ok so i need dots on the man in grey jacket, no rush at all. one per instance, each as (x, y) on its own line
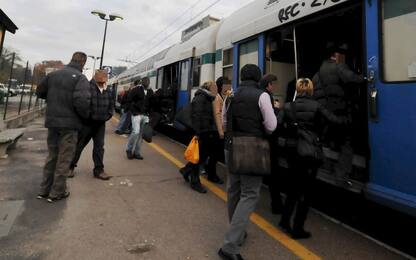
(68, 100)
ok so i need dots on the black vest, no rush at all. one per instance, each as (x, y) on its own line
(247, 119)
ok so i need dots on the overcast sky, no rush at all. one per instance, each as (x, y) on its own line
(54, 29)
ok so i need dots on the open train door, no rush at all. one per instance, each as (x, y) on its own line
(391, 68)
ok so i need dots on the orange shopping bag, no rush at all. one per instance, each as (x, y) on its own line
(192, 151)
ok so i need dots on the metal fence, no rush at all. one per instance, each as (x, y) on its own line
(17, 88)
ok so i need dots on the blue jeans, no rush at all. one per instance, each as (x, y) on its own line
(135, 140)
(122, 122)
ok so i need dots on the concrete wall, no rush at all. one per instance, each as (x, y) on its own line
(18, 121)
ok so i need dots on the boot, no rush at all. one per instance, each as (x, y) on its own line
(196, 182)
(185, 171)
(300, 233)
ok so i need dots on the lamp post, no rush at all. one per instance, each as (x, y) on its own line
(95, 59)
(103, 16)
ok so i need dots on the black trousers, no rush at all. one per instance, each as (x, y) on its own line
(209, 143)
(274, 180)
(302, 175)
(96, 132)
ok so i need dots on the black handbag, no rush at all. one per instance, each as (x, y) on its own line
(147, 133)
(308, 144)
(249, 155)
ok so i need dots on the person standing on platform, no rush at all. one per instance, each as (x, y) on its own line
(251, 115)
(203, 123)
(68, 97)
(269, 83)
(137, 99)
(102, 109)
(124, 125)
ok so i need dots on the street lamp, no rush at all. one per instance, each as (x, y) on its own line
(95, 59)
(103, 16)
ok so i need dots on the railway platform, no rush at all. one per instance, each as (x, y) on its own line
(146, 211)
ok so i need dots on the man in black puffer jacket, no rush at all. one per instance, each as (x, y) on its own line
(67, 94)
(102, 107)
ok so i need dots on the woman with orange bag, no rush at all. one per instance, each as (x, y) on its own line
(203, 123)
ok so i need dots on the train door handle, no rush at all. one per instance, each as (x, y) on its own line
(373, 104)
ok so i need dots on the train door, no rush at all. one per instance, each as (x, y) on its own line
(346, 148)
(280, 61)
(391, 65)
(184, 84)
(167, 93)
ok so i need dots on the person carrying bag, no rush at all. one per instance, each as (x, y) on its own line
(250, 117)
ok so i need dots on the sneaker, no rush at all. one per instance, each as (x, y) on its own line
(118, 132)
(42, 196)
(61, 197)
(138, 157)
(102, 176)
(129, 155)
(227, 256)
(71, 173)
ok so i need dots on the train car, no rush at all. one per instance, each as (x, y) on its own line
(185, 67)
(289, 39)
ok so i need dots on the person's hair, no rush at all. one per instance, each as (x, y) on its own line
(79, 57)
(304, 86)
(266, 80)
(210, 86)
(250, 72)
(145, 81)
(101, 76)
(219, 82)
(136, 82)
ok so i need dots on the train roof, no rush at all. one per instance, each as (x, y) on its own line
(203, 42)
(143, 67)
(263, 15)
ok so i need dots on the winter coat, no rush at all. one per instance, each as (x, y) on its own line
(139, 101)
(331, 78)
(102, 104)
(67, 94)
(218, 104)
(308, 114)
(202, 112)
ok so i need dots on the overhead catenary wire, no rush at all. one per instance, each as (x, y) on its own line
(178, 18)
(179, 28)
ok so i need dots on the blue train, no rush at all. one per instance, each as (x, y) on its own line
(288, 38)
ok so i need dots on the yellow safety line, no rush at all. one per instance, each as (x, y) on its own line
(294, 246)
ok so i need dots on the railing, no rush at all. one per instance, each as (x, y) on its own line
(17, 88)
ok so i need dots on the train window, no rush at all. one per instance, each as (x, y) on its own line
(185, 68)
(159, 78)
(196, 72)
(227, 65)
(249, 53)
(227, 57)
(399, 37)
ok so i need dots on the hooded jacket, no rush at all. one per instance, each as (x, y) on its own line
(202, 112)
(67, 94)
